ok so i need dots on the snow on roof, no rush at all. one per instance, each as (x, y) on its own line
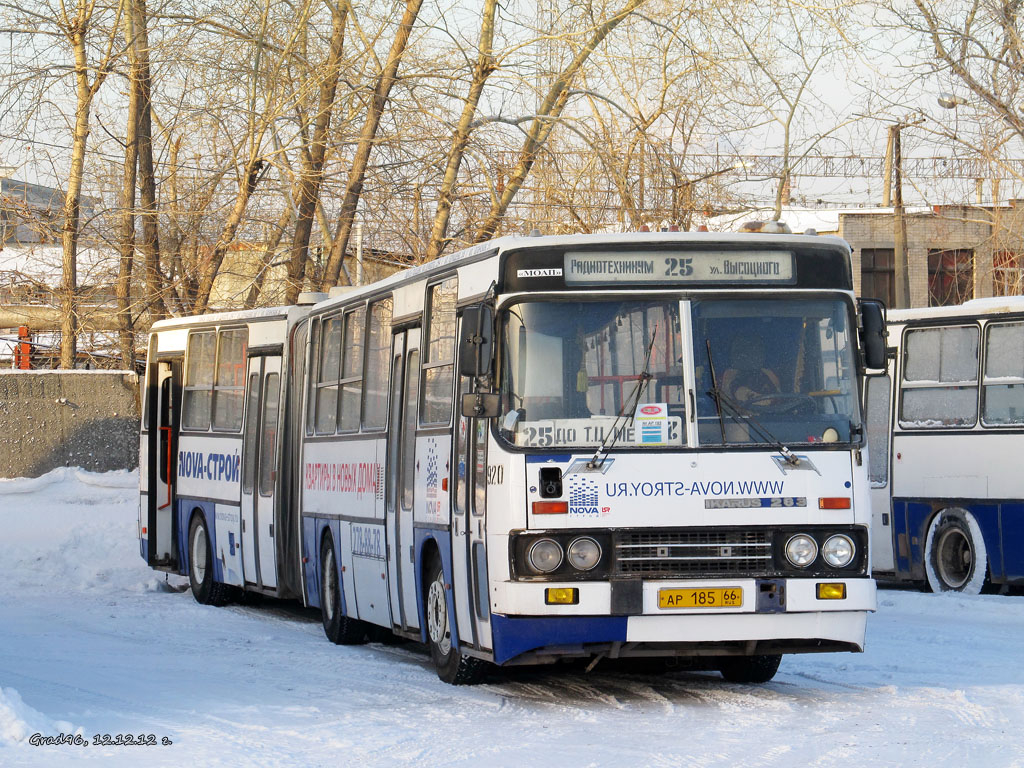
(988, 306)
(821, 220)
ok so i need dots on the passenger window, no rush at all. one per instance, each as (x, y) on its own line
(1003, 392)
(351, 383)
(229, 388)
(198, 394)
(378, 353)
(940, 378)
(439, 354)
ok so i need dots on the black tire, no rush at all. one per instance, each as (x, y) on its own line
(749, 669)
(452, 667)
(200, 567)
(340, 630)
(955, 557)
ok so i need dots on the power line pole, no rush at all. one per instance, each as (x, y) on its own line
(900, 256)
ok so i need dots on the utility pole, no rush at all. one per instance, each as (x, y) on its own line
(900, 255)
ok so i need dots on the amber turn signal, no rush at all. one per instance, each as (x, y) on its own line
(834, 502)
(550, 507)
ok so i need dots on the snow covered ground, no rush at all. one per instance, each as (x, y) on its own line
(93, 642)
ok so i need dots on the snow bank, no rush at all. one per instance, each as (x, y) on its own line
(73, 530)
(18, 721)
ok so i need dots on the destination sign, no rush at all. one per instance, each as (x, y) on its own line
(747, 266)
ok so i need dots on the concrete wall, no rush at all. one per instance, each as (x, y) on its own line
(50, 419)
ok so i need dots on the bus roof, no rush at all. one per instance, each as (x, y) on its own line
(989, 306)
(516, 242)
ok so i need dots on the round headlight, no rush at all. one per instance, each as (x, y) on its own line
(838, 551)
(584, 553)
(801, 550)
(545, 555)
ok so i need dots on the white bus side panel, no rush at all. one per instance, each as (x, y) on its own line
(345, 479)
(209, 467)
(229, 543)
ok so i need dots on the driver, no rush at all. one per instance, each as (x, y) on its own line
(748, 379)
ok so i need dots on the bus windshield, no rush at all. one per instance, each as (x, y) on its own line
(576, 373)
(783, 371)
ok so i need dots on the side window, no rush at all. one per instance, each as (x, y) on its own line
(877, 413)
(939, 387)
(229, 388)
(198, 394)
(328, 370)
(352, 371)
(1003, 392)
(378, 354)
(439, 353)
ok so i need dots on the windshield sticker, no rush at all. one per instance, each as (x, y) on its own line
(593, 432)
(651, 424)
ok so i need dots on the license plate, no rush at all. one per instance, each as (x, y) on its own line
(718, 597)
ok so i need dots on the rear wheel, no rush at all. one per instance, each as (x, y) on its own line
(955, 557)
(452, 666)
(339, 629)
(749, 669)
(200, 566)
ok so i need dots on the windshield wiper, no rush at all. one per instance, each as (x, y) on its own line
(737, 413)
(631, 403)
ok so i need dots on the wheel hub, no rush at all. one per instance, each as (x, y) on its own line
(954, 558)
(437, 616)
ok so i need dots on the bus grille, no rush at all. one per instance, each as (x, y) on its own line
(674, 554)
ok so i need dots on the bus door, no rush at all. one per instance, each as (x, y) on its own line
(469, 561)
(162, 549)
(877, 415)
(401, 478)
(259, 470)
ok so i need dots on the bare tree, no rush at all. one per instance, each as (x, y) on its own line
(357, 172)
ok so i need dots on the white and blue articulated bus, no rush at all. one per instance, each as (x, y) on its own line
(536, 449)
(946, 430)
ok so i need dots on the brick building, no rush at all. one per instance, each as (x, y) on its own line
(956, 252)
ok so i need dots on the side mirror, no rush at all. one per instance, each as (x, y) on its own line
(481, 405)
(476, 341)
(873, 333)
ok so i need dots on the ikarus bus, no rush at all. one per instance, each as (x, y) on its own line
(536, 449)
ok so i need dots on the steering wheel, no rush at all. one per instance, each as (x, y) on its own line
(782, 402)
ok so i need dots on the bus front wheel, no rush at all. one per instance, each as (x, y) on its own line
(749, 669)
(340, 630)
(452, 667)
(200, 566)
(955, 558)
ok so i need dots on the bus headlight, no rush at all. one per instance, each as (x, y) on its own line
(838, 551)
(801, 550)
(584, 553)
(545, 555)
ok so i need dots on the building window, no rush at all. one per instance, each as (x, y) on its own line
(1007, 274)
(950, 277)
(878, 275)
